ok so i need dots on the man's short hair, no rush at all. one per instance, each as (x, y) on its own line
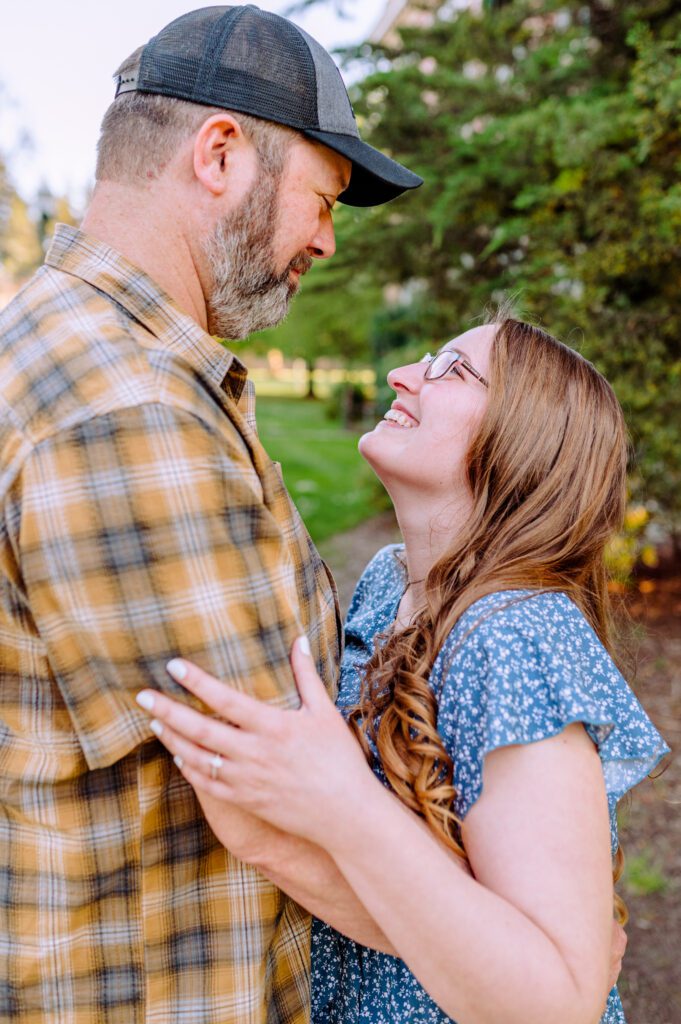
(141, 132)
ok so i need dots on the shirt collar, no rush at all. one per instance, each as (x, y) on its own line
(74, 252)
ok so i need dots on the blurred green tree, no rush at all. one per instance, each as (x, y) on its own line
(548, 135)
(25, 225)
(20, 247)
(329, 319)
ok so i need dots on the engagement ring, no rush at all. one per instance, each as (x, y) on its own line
(215, 763)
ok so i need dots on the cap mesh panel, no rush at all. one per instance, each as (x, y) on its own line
(247, 60)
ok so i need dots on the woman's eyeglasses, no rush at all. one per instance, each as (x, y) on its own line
(439, 366)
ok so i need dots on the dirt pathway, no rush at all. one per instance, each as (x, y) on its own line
(650, 821)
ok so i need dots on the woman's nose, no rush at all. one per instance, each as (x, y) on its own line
(406, 378)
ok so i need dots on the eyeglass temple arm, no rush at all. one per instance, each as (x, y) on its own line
(476, 374)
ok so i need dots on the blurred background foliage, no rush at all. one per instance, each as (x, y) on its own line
(548, 137)
(25, 226)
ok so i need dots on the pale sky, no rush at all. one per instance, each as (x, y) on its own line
(56, 62)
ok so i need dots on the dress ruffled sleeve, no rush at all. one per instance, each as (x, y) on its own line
(520, 669)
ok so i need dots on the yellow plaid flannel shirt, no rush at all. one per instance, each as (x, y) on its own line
(140, 519)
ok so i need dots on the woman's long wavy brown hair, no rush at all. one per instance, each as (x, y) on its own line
(547, 472)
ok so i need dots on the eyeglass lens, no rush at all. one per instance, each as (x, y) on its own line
(441, 363)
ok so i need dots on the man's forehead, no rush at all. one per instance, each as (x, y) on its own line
(334, 166)
(340, 167)
(344, 173)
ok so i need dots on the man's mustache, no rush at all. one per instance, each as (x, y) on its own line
(302, 263)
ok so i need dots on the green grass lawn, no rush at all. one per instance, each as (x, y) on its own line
(329, 481)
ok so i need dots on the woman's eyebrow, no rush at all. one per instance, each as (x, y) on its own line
(459, 351)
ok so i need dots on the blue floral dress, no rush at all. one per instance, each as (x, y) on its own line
(518, 667)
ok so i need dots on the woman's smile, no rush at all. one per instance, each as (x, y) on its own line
(440, 415)
(400, 419)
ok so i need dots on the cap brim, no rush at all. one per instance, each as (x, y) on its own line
(375, 177)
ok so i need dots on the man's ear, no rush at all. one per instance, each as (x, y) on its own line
(221, 151)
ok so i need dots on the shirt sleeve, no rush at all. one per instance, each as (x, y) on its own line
(143, 535)
(524, 673)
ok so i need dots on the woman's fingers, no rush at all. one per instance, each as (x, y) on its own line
(185, 753)
(310, 687)
(236, 707)
(198, 766)
(200, 729)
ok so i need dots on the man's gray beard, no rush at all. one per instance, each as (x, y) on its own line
(247, 294)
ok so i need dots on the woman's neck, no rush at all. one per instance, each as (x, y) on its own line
(427, 533)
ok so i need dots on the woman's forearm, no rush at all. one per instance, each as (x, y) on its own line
(310, 876)
(479, 957)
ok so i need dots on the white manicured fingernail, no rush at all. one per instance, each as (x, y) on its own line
(178, 761)
(304, 645)
(156, 727)
(177, 669)
(146, 699)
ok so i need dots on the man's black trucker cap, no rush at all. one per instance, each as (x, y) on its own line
(249, 60)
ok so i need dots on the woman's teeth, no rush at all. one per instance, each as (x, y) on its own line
(398, 417)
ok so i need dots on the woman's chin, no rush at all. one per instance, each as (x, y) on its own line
(375, 440)
(365, 445)
(369, 448)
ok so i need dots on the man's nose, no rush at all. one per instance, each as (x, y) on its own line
(323, 245)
